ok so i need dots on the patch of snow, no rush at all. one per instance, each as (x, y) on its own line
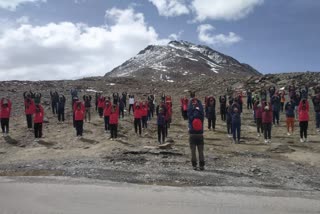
(214, 70)
(170, 81)
(112, 84)
(92, 90)
(193, 59)
(202, 74)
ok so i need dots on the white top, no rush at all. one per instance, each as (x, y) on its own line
(131, 100)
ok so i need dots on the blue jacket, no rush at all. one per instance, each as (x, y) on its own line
(193, 113)
(161, 119)
(275, 102)
(289, 107)
(236, 118)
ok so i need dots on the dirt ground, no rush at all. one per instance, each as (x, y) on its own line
(284, 164)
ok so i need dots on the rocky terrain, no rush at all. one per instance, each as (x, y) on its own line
(284, 164)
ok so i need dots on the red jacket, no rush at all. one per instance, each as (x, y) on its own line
(107, 109)
(184, 104)
(38, 114)
(144, 110)
(169, 111)
(114, 116)
(258, 111)
(5, 110)
(78, 114)
(29, 106)
(76, 104)
(303, 111)
(267, 116)
(101, 102)
(137, 111)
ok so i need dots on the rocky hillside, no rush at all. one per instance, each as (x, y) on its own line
(181, 60)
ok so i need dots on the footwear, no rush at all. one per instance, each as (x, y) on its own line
(195, 168)
(318, 130)
(269, 141)
(233, 141)
(229, 136)
(259, 134)
(288, 134)
(301, 140)
(201, 168)
(238, 141)
(265, 141)
(306, 140)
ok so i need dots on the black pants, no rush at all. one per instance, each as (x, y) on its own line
(114, 130)
(196, 142)
(229, 127)
(259, 125)
(303, 129)
(29, 120)
(79, 127)
(5, 125)
(212, 123)
(61, 114)
(38, 130)
(161, 133)
(185, 115)
(249, 104)
(54, 107)
(87, 116)
(223, 114)
(121, 112)
(137, 124)
(282, 106)
(144, 122)
(267, 130)
(100, 110)
(131, 107)
(106, 123)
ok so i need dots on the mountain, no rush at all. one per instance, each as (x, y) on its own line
(181, 59)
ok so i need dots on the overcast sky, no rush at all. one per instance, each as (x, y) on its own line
(69, 39)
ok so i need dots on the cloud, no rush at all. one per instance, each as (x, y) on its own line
(23, 20)
(219, 39)
(170, 8)
(175, 36)
(68, 51)
(223, 9)
(13, 4)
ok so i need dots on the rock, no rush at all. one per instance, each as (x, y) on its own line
(165, 146)
(280, 148)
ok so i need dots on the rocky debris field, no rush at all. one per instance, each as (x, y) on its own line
(284, 164)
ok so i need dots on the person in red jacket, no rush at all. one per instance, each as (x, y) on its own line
(184, 107)
(257, 108)
(38, 121)
(114, 119)
(303, 111)
(5, 110)
(29, 107)
(267, 117)
(137, 113)
(144, 114)
(101, 104)
(106, 114)
(79, 113)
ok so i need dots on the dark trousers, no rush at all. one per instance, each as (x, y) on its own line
(303, 129)
(38, 130)
(54, 107)
(144, 122)
(249, 104)
(131, 107)
(106, 123)
(87, 116)
(161, 133)
(276, 117)
(229, 127)
(61, 114)
(100, 111)
(5, 125)
(121, 112)
(267, 130)
(196, 142)
(259, 125)
(114, 130)
(236, 131)
(211, 123)
(223, 114)
(150, 114)
(79, 127)
(185, 115)
(282, 107)
(29, 120)
(137, 124)
(317, 120)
